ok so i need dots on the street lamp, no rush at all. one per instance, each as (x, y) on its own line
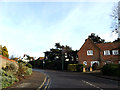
(43, 63)
(63, 59)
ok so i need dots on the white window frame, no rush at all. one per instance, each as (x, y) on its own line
(85, 62)
(89, 52)
(115, 52)
(92, 62)
(107, 52)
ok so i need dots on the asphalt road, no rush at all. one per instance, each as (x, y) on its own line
(68, 80)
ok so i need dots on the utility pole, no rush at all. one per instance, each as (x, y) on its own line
(63, 59)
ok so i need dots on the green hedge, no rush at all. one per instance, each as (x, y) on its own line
(75, 67)
(111, 69)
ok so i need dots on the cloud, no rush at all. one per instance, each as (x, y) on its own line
(109, 36)
(39, 29)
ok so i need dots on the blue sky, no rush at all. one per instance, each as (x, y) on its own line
(34, 27)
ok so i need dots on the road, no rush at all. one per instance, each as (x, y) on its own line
(70, 80)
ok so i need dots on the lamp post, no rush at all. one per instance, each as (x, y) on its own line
(43, 63)
(63, 59)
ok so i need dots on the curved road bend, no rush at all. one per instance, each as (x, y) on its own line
(60, 79)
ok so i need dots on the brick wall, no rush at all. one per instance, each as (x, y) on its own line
(4, 61)
(82, 54)
(98, 52)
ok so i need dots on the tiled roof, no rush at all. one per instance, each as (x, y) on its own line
(41, 58)
(7, 58)
(108, 46)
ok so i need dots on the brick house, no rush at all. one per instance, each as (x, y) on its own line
(100, 53)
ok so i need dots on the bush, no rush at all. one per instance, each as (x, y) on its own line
(22, 69)
(111, 69)
(75, 67)
(29, 65)
(28, 71)
(11, 67)
(7, 79)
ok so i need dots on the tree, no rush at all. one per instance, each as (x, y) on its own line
(96, 38)
(12, 57)
(117, 40)
(58, 46)
(5, 52)
(116, 17)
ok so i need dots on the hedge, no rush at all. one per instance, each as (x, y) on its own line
(75, 67)
(111, 69)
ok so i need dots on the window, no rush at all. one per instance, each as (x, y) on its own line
(89, 52)
(107, 52)
(109, 62)
(85, 62)
(115, 52)
(118, 62)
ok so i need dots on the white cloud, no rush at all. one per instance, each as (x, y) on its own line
(109, 36)
(33, 36)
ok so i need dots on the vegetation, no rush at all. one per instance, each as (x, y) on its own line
(4, 51)
(57, 58)
(111, 69)
(13, 73)
(75, 67)
(96, 38)
(117, 40)
(8, 78)
(116, 16)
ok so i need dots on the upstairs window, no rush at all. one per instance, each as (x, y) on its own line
(107, 52)
(89, 52)
(115, 52)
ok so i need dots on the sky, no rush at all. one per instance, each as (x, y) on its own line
(34, 27)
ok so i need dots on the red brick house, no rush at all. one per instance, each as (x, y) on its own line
(100, 53)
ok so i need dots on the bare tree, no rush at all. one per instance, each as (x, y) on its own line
(116, 17)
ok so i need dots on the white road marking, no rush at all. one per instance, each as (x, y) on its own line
(92, 85)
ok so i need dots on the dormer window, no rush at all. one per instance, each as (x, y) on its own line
(107, 52)
(115, 52)
(89, 52)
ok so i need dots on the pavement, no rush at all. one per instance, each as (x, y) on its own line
(33, 82)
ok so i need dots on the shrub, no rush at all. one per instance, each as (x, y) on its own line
(11, 67)
(22, 69)
(72, 67)
(111, 69)
(75, 67)
(29, 65)
(28, 71)
(7, 79)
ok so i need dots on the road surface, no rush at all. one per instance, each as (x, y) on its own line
(59, 79)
